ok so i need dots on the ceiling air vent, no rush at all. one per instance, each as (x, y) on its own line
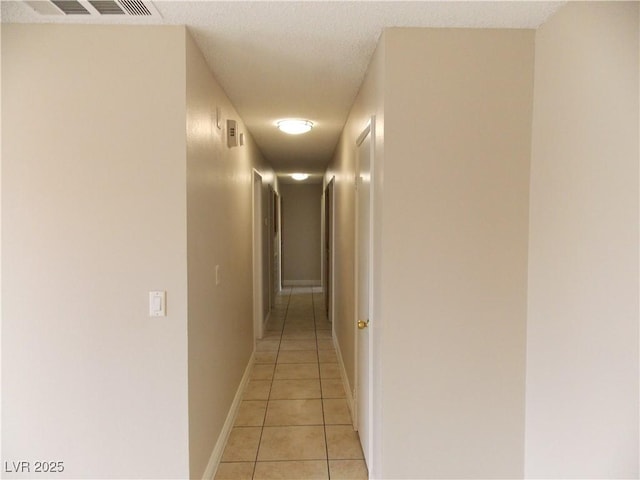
(106, 7)
(70, 7)
(95, 8)
(135, 7)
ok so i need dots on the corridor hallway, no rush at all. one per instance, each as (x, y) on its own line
(294, 422)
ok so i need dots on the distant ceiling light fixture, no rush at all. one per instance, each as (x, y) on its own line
(299, 176)
(295, 127)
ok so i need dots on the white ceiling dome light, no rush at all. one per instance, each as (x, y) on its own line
(294, 126)
(299, 176)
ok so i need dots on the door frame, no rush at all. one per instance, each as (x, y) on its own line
(372, 329)
(278, 240)
(256, 227)
(328, 248)
(274, 245)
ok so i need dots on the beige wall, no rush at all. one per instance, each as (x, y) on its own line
(219, 232)
(301, 233)
(453, 122)
(458, 267)
(93, 216)
(454, 252)
(582, 333)
(104, 199)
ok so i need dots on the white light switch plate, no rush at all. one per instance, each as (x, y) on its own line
(158, 304)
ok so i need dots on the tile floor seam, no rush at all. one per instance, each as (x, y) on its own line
(264, 418)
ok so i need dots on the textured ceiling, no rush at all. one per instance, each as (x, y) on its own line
(303, 59)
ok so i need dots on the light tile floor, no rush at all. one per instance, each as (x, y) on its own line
(294, 422)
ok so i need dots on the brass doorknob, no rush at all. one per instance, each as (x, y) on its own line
(362, 324)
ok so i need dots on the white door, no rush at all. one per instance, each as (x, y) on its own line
(363, 327)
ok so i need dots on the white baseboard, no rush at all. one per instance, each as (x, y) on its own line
(264, 325)
(302, 283)
(345, 381)
(218, 449)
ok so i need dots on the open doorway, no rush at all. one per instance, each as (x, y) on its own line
(274, 206)
(328, 249)
(258, 253)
